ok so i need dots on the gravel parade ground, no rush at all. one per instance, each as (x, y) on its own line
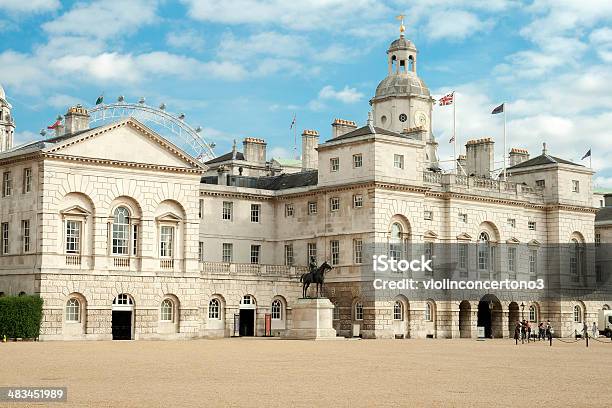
(351, 373)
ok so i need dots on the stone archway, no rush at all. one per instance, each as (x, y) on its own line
(465, 320)
(490, 316)
(513, 316)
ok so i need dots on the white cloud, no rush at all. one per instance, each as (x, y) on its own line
(455, 25)
(104, 19)
(29, 6)
(189, 39)
(63, 101)
(345, 95)
(25, 136)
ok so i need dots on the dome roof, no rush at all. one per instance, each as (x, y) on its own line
(400, 85)
(401, 44)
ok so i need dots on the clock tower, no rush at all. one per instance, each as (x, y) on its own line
(402, 99)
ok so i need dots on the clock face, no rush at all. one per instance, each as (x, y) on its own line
(420, 118)
(403, 117)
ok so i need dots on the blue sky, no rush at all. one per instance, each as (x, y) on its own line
(242, 68)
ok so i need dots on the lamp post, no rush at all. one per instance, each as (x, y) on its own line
(522, 311)
(491, 314)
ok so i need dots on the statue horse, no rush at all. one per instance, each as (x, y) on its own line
(316, 276)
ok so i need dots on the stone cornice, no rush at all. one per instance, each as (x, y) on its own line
(118, 163)
(22, 158)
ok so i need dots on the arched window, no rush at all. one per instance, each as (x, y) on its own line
(121, 231)
(533, 314)
(605, 307)
(395, 241)
(123, 299)
(483, 251)
(73, 310)
(22, 294)
(277, 308)
(167, 310)
(398, 311)
(577, 314)
(214, 308)
(428, 312)
(358, 311)
(247, 300)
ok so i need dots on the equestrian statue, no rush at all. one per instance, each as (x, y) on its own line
(316, 276)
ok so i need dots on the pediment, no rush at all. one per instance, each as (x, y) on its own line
(168, 217)
(534, 242)
(430, 235)
(127, 141)
(464, 237)
(75, 210)
(512, 240)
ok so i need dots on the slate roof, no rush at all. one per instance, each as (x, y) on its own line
(366, 130)
(542, 160)
(604, 214)
(289, 180)
(225, 157)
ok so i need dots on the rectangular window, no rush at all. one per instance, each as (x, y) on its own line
(358, 251)
(463, 217)
(533, 261)
(200, 208)
(166, 242)
(398, 161)
(288, 210)
(463, 256)
(228, 252)
(540, 183)
(5, 238)
(597, 239)
(25, 235)
(512, 222)
(134, 240)
(357, 201)
(334, 204)
(27, 180)
(7, 184)
(312, 207)
(289, 254)
(73, 237)
(598, 274)
(357, 160)
(255, 252)
(201, 251)
(575, 186)
(334, 164)
(428, 215)
(512, 260)
(335, 252)
(312, 252)
(255, 211)
(228, 209)
(531, 225)
(429, 254)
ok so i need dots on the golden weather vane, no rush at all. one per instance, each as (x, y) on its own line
(401, 19)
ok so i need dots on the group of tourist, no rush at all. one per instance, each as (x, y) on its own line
(522, 331)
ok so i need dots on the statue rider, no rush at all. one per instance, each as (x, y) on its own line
(312, 266)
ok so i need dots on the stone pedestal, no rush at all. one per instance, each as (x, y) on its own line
(312, 320)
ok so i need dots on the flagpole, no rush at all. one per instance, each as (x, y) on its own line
(505, 174)
(455, 133)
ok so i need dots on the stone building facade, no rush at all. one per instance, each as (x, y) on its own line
(157, 245)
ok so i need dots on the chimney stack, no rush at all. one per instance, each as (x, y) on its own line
(341, 127)
(518, 156)
(479, 157)
(77, 119)
(310, 155)
(254, 150)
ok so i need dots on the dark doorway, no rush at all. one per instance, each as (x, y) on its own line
(484, 318)
(122, 325)
(247, 322)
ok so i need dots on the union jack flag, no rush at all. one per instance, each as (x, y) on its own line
(447, 99)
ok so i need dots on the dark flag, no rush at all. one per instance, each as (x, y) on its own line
(499, 109)
(100, 99)
(587, 154)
